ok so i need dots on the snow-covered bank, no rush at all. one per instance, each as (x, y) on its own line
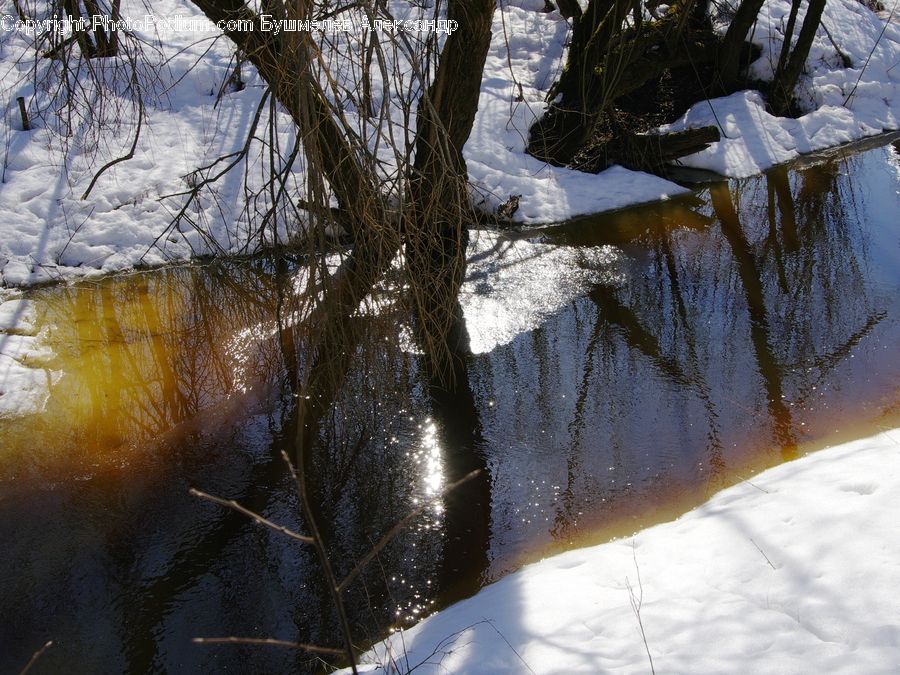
(48, 232)
(794, 571)
(842, 104)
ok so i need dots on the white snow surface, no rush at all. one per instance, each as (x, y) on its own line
(47, 232)
(841, 104)
(795, 571)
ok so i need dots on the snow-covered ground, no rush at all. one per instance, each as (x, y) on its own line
(794, 571)
(48, 232)
(842, 104)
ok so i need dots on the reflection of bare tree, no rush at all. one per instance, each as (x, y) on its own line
(769, 367)
(149, 354)
(467, 511)
(345, 383)
(719, 339)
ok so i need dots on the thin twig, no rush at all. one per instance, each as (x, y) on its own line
(36, 656)
(385, 540)
(233, 640)
(869, 57)
(309, 516)
(130, 153)
(508, 644)
(752, 484)
(636, 604)
(763, 554)
(231, 504)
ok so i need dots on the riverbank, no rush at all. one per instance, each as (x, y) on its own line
(47, 232)
(792, 571)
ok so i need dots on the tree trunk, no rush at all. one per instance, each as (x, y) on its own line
(782, 93)
(788, 37)
(650, 152)
(733, 43)
(436, 242)
(569, 9)
(566, 125)
(281, 65)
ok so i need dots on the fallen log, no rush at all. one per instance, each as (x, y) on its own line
(651, 152)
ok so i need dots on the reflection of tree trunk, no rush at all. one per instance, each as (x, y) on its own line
(565, 516)
(754, 295)
(772, 241)
(779, 180)
(467, 510)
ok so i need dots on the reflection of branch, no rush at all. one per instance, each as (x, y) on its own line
(336, 588)
(638, 336)
(828, 362)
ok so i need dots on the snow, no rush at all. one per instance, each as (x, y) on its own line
(47, 232)
(793, 571)
(527, 50)
(842, 104)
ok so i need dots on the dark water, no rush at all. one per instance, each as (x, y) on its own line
(629, 365)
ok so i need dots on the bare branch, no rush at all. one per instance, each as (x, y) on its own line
(232, 640)
(231, 504)
(38, 654)
(385, 540)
